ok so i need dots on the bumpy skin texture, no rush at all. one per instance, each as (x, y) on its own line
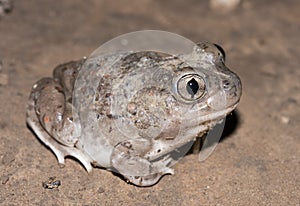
(135, 113)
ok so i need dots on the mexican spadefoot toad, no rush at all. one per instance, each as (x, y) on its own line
(132, 112)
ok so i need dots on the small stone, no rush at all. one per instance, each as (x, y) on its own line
(224, 6)
(101, 190)
(285, 120)
(51, 183)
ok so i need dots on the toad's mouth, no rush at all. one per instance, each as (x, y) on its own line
(211, 115)
(224, 112)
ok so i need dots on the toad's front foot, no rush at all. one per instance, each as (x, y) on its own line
(148, 180)
(136, 169)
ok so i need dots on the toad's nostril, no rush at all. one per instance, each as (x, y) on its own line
(227, 85)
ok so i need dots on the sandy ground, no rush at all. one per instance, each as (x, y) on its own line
(256, 163)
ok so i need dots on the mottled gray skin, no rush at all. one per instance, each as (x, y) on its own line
(133, 112)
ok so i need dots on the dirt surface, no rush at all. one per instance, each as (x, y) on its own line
(256, 163)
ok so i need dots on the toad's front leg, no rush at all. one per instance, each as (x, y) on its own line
(128, 159)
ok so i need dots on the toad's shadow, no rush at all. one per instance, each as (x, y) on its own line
(232, 122)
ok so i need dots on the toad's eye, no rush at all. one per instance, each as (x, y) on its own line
(191, 87)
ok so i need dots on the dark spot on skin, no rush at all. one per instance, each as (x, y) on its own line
(127, 145)
(131, 108)
(158, 151)
(30, 107)
(48, 81)
(90, 65)
(202, 45)
(97, 97)
(106, 76)
(170, 138)
(59, 89)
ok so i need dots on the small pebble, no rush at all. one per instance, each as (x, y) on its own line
(224, 6)
(51, 183)
(101, 190)
(285, 120)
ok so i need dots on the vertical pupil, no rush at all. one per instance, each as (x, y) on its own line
(192, 87)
